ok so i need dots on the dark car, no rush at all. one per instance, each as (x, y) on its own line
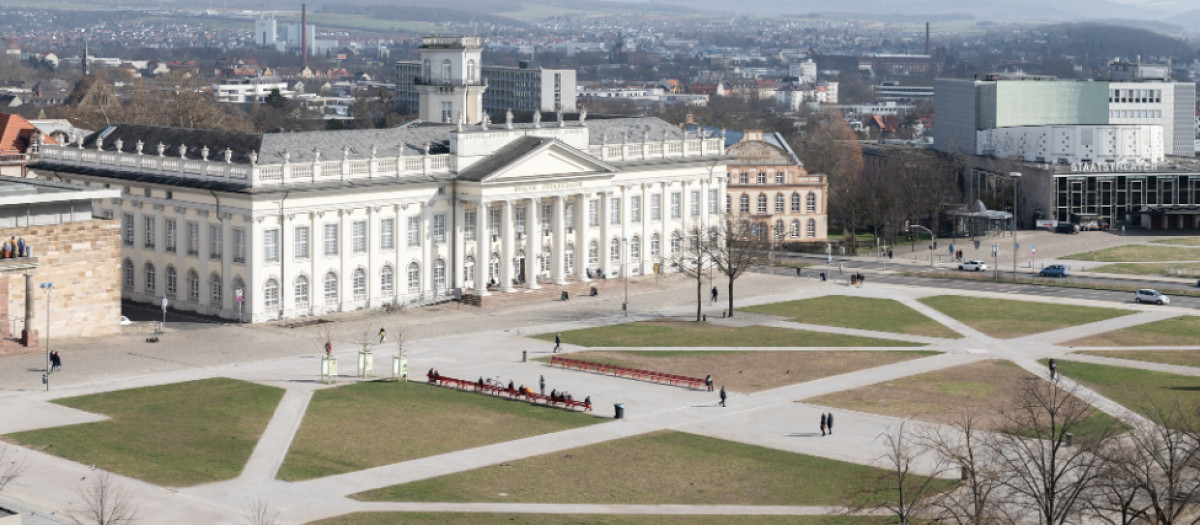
(1066, 227)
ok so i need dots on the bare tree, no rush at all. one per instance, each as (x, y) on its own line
(1044, 473)
(740, 244)
(964, 445)
(261, 513)
(691, 259)
(898, 489)
(106, 503)
(12, 465)
(1159, 463)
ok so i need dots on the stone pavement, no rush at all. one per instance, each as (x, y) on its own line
(488, 343)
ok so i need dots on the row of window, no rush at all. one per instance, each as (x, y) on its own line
(1135, 113)
(1135, 95)
(192, 282)
(810, 231)
(810, 204)
(191, 236)
(744, 178)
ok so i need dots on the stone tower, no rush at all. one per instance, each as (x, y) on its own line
(450, 84)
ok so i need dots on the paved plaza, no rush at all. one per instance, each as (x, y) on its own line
(469, 342)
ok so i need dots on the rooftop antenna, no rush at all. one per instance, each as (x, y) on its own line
(926, 38)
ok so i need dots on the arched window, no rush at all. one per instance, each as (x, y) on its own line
(439, 274)
(812, 203)
(302, 293)
(172, 282)
(762, 203)
(271, 295)
(414, 277)
(494, 268)
(812, 228)
(635, 248)
(331, 289)
(387, 281)
(469, 271)
(446, 71)
(655, 245)
(359, 283)
(425, 73)
(744, 204)
(149, 271)
(779, 229)
(779, 203)
(614, 250)
(127, 275)
(795, 228)
(193, 286)
(593, 253)
(796, 202)
(569, 259)
(676, 241)
(471, 71)
(214, 290)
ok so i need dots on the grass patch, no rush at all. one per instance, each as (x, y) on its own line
(942, 396)
(1186, 241)
(659, 468)
(1166, 357)
(1176, 331)
(1138, 390)
(752, 371)
(175, 435)
(1072, 282)
(378, 423)
(1139, 253)
(688, 333)
(473, 518)
(1007, 319)
(1168, 269)
(884, 315)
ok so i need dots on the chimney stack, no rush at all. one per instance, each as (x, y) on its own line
(926, 38)
(304, 36)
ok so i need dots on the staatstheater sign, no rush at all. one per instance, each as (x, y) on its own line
(1109, 167)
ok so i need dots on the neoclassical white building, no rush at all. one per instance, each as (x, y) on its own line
(311, 223)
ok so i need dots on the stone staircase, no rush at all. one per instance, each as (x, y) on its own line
(553, 292)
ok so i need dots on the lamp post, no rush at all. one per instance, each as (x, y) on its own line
(47, 288)
(1016, 176)
(625, 273)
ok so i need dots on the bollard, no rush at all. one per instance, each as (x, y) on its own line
(723, 314)
(620, 411)
(704, 317)
(524, 356)
(1070, 438)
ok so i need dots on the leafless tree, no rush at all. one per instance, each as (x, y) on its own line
(898, 489)
(106, 503)
(964, 445)
(12, 464)
(261, 513)
(1044, 474)
(740, 244)
(691, 260)
(831, 147)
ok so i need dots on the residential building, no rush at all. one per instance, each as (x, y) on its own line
(20, 144)
(766, 182)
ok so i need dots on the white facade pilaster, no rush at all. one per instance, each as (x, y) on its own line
(581, 238)
(534, 242)
(559, 251)
(483, 252)
(507, 252)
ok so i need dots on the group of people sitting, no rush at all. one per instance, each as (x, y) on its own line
(434, 375)
(598, 274)
(14, 247)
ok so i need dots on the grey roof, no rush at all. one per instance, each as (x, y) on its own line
(635, 129)
(502, 157)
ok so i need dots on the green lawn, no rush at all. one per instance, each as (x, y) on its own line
(884, 315)
(1176, 331)
(1186, 241)
(1006, 319)
(1139, 253)
(686, 333)
(366, 425)
(1138, 390)
(1170, 269)
(175, 435)
(665, 467)
(1167, 357)
(454, 518)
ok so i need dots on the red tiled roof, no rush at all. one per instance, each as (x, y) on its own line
(15, 134)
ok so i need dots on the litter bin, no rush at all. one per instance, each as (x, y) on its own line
(565, 296)
(620, 411)
(1070, 439)
(524, 356)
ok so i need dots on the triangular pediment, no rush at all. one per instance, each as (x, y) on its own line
(533, 158)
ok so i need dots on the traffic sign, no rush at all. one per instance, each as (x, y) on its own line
(164, 304)
(238, 294)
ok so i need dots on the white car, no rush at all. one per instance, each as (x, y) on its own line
(125, 321)
(1150, 296)
(973, 266)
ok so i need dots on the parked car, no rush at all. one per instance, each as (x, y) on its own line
(1066, 227)
(973, 266)
(1055, 270)
(125, 321)
(1150, 296)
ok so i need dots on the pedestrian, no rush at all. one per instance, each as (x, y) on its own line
(714, 295)
(21, 247)
(55, 361)
(841, 268)
(542, 384)
(822, 423)
(829, 422)
(797, 272)
(708, 382)
(889, 255)
(382, 336)
(860, 279)
(822, 276)
(328, 347)
(722, 395)
(557, 342)
(1053, 369)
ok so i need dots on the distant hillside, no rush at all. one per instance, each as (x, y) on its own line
(447, 11)
(1007, 10)
(1108, 41)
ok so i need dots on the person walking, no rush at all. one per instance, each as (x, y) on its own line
(722, 395)
(714, 295)
(829, 422)
(823, 423)
(542, 384)
(328, 347)
(708, 382)
(557, 342)
(382, 336)
(797, 272)
(1053, 369)
(841, 268)
(55, 361)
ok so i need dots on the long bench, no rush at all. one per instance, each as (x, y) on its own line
(511, 393)
(634, 373)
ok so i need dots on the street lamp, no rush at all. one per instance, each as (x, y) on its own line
(625, 273)
(47, 288)
(1016, 176)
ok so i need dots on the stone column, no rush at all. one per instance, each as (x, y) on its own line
(533, 242)
(581, 262)
(483, 252)
(459, 251)
(643, 230)
(507, 252)
(605, 231)
(227, 277)
(664, 246)
(29, 336)
(558, 253)
(426, 263)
